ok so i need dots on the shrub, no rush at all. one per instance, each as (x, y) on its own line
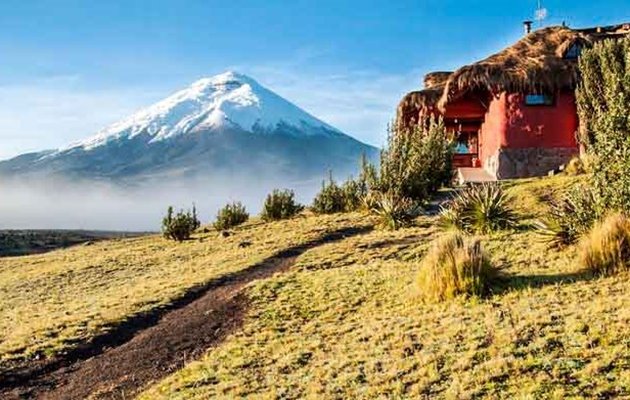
(180, 226)
(570, 217)
(231, 215)
(353, 193)
(454, 267)
(280, 204)
(478, 209)
(416, 161)
(393, 210)
(603, 99)
(606, 250)
(330, 199)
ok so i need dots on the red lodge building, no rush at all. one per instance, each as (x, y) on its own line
(513, 114)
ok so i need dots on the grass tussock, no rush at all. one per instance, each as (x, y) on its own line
(606, 250)
(575, 167)
(454, 267)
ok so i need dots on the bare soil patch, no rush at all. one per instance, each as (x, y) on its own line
(149, 347)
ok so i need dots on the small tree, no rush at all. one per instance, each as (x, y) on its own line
(180, 226)
(603, 99)
(280, 204)
(417, 160)
(330, 199)
(231, 215)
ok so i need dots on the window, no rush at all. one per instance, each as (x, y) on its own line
(574, 52)
(539, 100)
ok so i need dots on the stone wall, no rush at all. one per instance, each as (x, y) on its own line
(509, 163)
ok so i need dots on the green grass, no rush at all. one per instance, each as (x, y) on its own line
(52, 301)
(347, 321)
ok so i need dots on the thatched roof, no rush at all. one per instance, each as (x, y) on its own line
(437, 79)
(536, 63)
(420, 102)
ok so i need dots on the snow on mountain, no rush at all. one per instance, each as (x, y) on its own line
(226, 100)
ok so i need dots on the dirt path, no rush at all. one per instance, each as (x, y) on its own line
(159, 344)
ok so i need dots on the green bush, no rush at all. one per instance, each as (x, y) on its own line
(570, 217)
(330, 199)
(480, 208)
(180, 226)
(348, 197)
(393, 210)
(606, 250)
(454, 267)
(280, 204)
(416, 161)
(603, 99)
(231, 215)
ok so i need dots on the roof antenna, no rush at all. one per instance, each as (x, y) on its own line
(541, 13)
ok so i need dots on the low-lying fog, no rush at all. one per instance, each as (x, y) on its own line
(50, 204)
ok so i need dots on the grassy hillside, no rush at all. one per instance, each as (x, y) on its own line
(53, 301)
(346, 321)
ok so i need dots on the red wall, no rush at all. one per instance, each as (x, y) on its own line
(494, 128)
(542, 126)
(509, 122)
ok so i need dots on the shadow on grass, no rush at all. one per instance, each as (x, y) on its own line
(27, 374)
(508, 283)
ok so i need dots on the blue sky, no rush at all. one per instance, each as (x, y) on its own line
(68, 68)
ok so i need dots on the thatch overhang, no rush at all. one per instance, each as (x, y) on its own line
(422, 102)
(535, 64)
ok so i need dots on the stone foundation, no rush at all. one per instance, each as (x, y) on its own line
(522, 163)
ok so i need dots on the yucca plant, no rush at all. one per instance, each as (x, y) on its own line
(480, 208)
(570, 217)
(394, 210)
(453, 267)
(606, 250)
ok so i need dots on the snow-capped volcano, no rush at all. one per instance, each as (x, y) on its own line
(226, 100)
(226, 125)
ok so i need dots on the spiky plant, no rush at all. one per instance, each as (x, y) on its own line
(570, 217)
(480, 208)
(393, 210)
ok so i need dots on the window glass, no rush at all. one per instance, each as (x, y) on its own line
(539, 100)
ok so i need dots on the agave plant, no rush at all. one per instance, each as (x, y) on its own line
(478, 209)
(570, 217)
(394, 210)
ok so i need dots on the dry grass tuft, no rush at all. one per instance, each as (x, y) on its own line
(454, 267)
(606, 250)
(575, 167)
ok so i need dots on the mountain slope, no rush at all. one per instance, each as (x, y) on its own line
(226, 125)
